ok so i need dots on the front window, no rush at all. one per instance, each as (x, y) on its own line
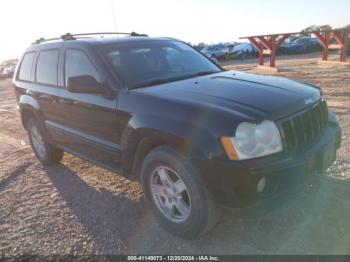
(148, 63)
(77, 63)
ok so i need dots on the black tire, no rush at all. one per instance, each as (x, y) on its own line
(52, 155)
(204, 213)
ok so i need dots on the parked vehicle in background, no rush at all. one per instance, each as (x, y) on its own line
(283, 47)
(230, 46)
(290, 40)
(219, 51)
(303, 45)
(243, 51)
(198, 47)
(7, 72)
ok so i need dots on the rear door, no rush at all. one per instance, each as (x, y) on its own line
(47, 86)
(38, 84)
(88, 120)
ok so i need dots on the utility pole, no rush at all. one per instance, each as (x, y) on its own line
(114, 16)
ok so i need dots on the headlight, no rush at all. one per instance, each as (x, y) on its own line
(253, 140)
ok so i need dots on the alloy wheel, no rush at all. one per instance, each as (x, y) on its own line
(170, 194)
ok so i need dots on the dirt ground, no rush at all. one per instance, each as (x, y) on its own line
(78, 208)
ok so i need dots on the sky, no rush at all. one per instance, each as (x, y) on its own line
(210, 21)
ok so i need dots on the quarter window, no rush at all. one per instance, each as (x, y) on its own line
(46, 69)
(78, 64)
(26, 67)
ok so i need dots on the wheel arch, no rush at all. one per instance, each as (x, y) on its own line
(138, 141)
(29, 107)
(145, 141)
(26, 113)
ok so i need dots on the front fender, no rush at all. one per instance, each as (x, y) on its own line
(179, 133)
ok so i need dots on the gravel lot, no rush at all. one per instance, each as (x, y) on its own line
(78, 208)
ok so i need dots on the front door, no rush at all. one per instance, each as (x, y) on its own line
(88, 121)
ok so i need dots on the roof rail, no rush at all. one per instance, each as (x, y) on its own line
(69, 36)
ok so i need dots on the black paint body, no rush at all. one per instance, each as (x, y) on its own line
(191, 114)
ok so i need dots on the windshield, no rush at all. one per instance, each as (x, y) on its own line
(146, 63)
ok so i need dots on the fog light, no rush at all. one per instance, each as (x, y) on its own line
(261, 185)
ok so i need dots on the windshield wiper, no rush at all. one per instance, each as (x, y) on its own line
(155, 82)
(202, 73)
(159, 81)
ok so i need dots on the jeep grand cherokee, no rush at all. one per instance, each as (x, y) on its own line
(155, 109)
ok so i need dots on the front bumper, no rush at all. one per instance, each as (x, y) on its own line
(234, 183)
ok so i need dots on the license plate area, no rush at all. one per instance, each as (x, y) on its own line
(327, 157)
(321, 161)
(311, 165)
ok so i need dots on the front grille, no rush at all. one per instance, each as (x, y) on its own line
(302, 129)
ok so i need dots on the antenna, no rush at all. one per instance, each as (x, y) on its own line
(114, 16)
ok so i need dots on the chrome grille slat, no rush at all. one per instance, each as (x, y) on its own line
(302, 129)
(310, 124)
(294, 132)
(317, 120)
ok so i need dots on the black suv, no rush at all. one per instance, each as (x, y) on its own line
(155, 109)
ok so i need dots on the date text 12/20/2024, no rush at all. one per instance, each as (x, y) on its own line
(173, 258)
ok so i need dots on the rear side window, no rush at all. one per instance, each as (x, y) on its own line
(26, 67)
(78, 64)
(46, 68)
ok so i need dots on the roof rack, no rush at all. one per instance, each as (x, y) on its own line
(69, 36)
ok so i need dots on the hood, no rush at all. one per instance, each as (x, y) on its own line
(252, 95)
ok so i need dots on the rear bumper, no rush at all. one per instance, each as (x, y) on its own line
(234, 183)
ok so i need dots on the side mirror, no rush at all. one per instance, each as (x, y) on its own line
(85, 84)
